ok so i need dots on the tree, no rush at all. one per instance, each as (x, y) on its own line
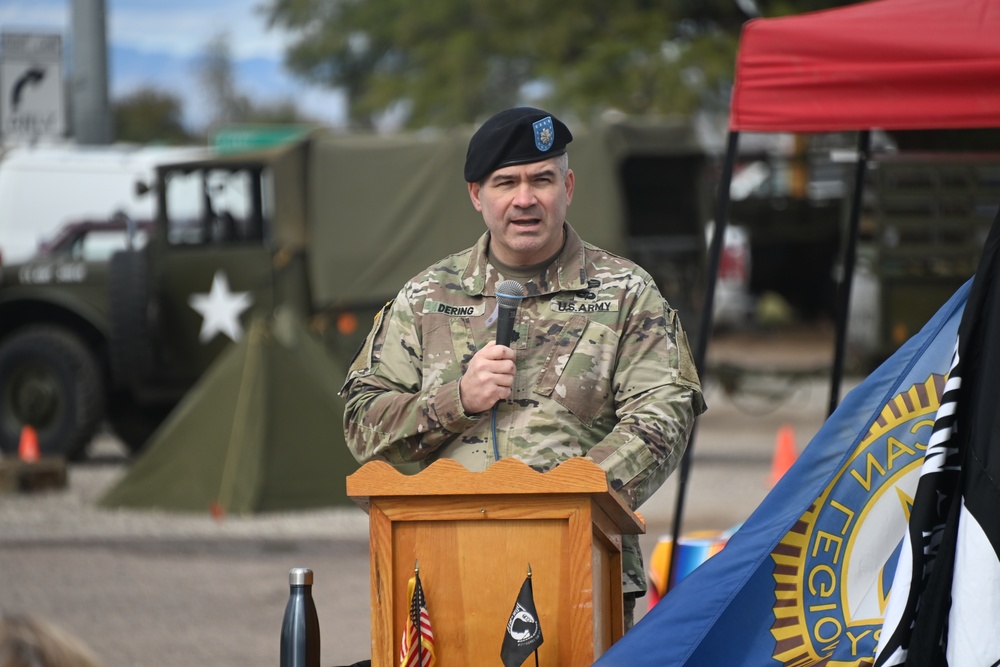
(219, 83)
(455, 61)
(150, 115)
(229, 104)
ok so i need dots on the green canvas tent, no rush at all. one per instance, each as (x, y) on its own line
(261, 431)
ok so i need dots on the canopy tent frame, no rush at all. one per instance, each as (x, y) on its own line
(890, 64)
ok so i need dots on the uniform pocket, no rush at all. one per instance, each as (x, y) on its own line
(447, 348)
(577, 373)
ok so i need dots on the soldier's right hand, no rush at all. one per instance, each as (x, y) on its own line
(488, 379)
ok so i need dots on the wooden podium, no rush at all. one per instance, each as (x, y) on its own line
(474, 535)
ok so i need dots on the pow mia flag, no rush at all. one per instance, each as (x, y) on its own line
(524, 632)
(945, 600)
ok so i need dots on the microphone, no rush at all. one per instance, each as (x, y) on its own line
(509, 295)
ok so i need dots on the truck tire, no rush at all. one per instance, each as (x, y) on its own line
(51, 380)
(131, 341)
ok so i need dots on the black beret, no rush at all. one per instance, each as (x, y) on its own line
(515, 136)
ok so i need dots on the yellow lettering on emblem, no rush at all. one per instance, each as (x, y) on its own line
(828, 539)
(824, 588)
(895, 448)
(916, 427)
(847, 511)
(818, 628)
(855, 640)
(871, 463)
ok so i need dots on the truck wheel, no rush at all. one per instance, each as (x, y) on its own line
(129, 302)
(50, 380)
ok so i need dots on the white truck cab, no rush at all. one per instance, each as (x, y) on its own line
(44, 187)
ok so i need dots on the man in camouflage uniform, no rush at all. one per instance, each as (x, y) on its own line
(598, 365)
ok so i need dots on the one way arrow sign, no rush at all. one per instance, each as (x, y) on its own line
(31, 88)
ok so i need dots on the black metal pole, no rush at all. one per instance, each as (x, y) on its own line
(847, 279)
(705, 332)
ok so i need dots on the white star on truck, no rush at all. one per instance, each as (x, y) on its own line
(220, 309)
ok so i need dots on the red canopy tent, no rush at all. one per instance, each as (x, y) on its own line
(890, 64)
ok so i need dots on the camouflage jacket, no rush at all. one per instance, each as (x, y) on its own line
(603, 370)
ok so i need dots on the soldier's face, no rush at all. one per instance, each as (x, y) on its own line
(524, 207)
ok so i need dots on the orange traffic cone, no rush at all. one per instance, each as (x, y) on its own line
(27, 449)
(784, 453)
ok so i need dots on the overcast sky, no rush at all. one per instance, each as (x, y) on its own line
(158, 43)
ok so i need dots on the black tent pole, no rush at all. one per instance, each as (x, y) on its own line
(847, 278)
(705, 330)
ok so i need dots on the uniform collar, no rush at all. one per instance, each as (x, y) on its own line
(567, 273)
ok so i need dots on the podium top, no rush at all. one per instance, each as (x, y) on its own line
(509, 476)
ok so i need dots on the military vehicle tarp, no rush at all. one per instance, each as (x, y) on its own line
(382, 208)
(261, 431)
(371, 211)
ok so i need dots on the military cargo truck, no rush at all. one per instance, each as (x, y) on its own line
(328, 227)
(925, 221)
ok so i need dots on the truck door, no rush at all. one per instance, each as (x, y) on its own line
(214, 274)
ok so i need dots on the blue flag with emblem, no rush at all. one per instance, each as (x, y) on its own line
(805, 580)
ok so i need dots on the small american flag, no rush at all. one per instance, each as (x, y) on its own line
(417, 646)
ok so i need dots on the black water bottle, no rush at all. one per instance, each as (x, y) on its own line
(300, 629)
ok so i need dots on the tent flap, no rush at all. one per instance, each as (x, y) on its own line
(261, 431)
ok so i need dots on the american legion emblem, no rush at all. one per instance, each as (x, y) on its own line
(834, 568)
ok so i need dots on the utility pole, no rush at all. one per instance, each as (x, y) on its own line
(91, 111)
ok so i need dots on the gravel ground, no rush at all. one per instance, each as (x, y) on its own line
(154, 588)
(72, 513)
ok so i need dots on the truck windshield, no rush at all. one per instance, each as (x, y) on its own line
(214, 206)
